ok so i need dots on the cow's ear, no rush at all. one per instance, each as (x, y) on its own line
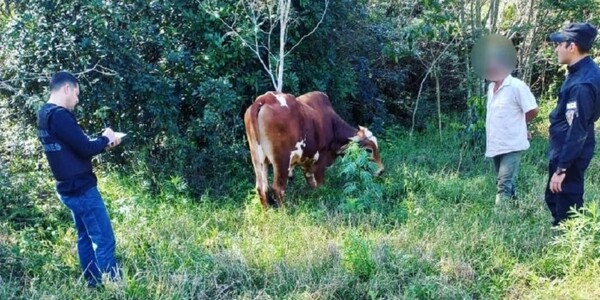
(367, 132)
(361, 128)
(360, 134)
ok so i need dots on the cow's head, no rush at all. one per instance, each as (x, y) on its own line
(365, 138)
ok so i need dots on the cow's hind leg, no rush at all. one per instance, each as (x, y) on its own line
(280, 180)
(261, 171)
(267, 199)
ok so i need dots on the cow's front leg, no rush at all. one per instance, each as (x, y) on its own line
(310, 178)
(319, 173)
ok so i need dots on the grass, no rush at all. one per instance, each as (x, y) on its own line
(433, 234)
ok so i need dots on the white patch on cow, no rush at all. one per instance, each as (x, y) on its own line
(296, 155)
(374, 140)
(369, 135)
(280, 98)
(316, 157)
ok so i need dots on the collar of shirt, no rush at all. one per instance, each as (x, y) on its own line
(506, 82)
(580, 64)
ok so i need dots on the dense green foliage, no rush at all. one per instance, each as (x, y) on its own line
(171, 75)
(179, 189)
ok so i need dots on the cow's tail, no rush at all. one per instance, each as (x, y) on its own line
(254, 111)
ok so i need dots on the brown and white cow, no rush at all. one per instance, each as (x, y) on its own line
(285, 131)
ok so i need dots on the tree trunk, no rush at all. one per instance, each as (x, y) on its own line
(284, 10)
(436, 74)
(494, 13)
(463, 29)
(530, 41)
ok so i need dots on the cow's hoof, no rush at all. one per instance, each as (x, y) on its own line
(271, 201)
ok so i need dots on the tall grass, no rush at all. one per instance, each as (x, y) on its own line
(427, 229)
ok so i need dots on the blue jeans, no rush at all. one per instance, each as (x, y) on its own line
(95, 237)
(507, 168)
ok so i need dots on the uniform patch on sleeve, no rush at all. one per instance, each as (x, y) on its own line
(571, 112)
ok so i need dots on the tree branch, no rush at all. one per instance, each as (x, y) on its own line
(5, 84)
(98, 69)
(431, 67)
(259, 12)
(246, 43)
(312, 31)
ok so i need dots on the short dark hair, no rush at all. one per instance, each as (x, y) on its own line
(580, 48)
(61, 78)
(583, 49)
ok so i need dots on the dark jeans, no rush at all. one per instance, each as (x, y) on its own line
(572, 190)
(95, 238)
(507, 168)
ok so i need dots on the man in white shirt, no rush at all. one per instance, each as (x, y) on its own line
(510, 106)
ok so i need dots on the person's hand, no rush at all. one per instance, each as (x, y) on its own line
(556, 182)
(113, 140)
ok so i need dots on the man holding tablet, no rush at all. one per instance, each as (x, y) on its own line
(69, 152)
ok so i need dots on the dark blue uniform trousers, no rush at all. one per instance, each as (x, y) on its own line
(572, 190)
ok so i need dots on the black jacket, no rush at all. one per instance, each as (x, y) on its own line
(572, 134)
(68, 149)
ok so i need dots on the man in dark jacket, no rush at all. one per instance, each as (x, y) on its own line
(572, 136)
(69, 152)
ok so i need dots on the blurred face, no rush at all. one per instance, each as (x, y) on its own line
(564, 52)
(495, 71)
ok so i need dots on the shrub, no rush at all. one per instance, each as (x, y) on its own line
(578, 244)
(360, 189)
(357, 256)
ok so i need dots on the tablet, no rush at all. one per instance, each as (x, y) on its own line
(120, 134)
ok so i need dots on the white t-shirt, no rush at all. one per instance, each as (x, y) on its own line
(505, 125)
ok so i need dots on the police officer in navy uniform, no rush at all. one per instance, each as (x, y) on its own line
(572, 136)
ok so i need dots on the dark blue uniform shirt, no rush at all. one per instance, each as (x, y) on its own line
(572, 121)
(68, 149)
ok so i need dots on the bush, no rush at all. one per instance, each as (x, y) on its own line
(360, 189)
(578, 244)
